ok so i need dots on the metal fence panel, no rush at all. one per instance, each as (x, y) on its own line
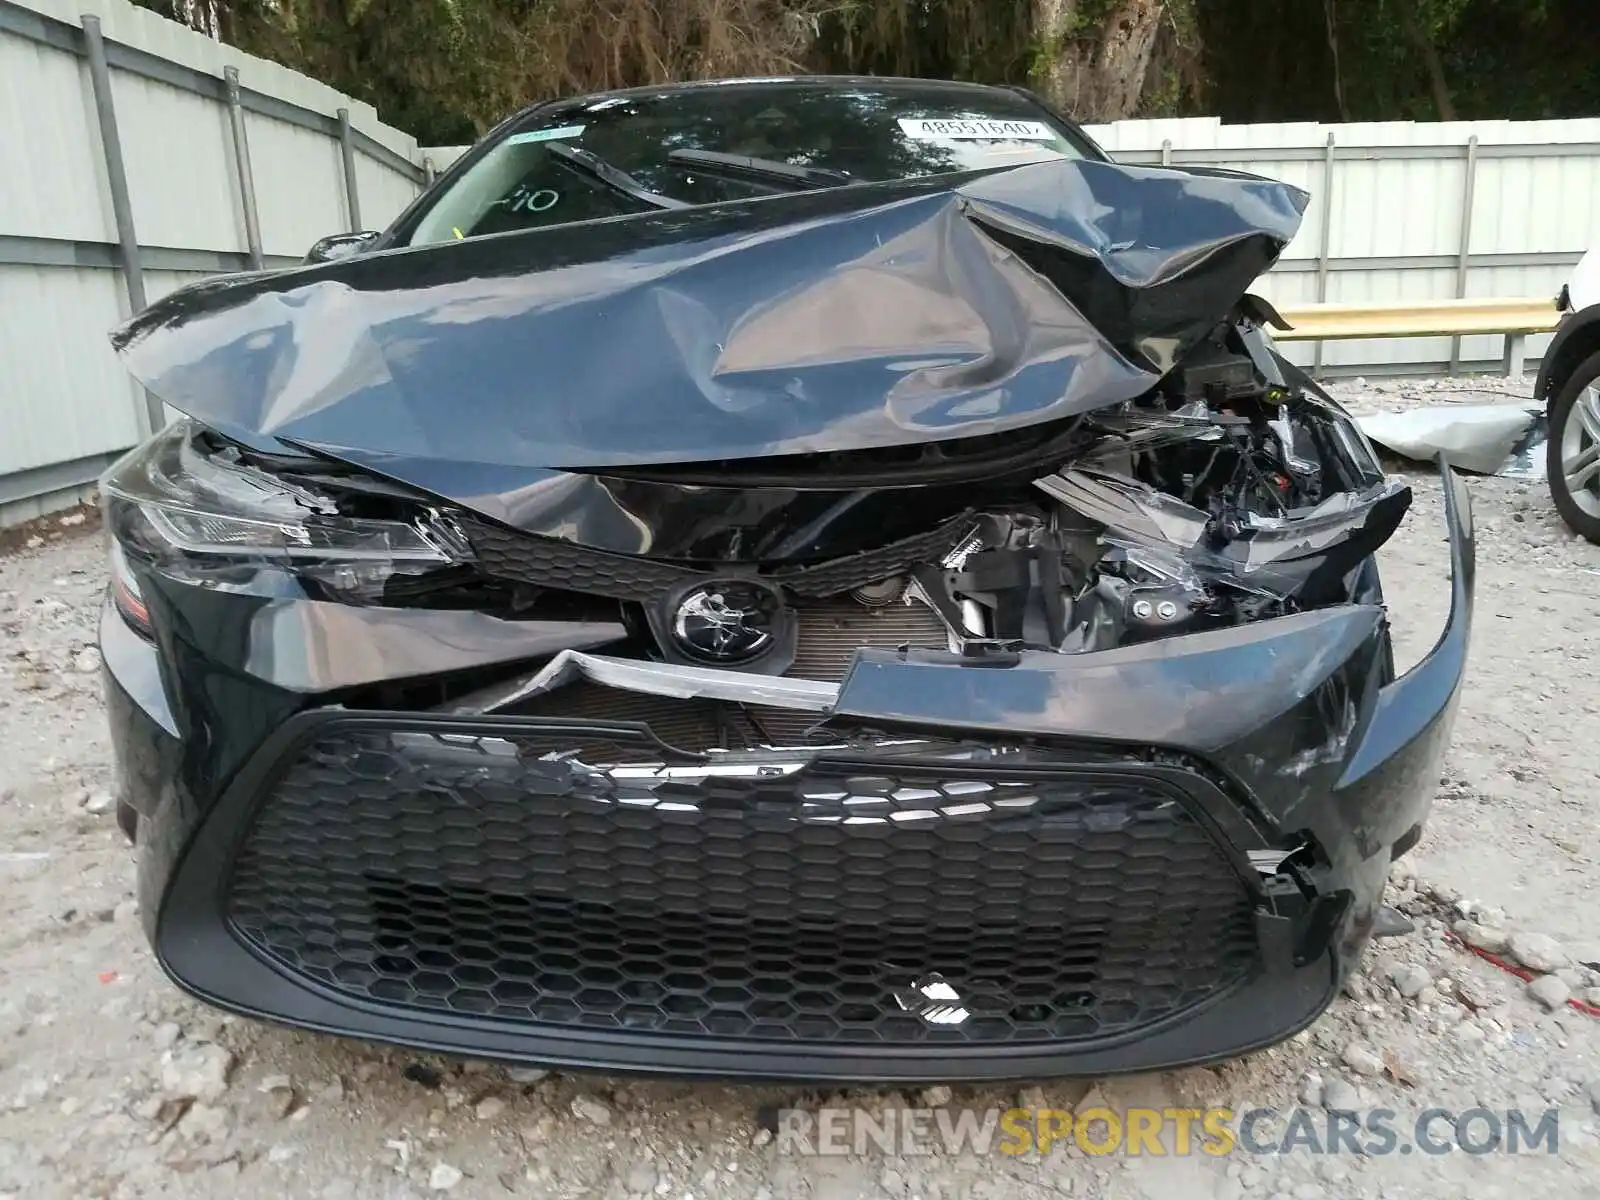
(180, 173)
(62, 397)
(50, 165)
(383, 195)
(1413, 211)
(73, 254)
(299, 178)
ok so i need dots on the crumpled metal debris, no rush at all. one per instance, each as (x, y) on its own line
(1488, 439)
(653, 678)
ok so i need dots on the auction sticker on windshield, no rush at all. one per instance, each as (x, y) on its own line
(931, 130)
(545, 135)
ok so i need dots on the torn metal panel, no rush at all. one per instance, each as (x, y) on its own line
(1280, 556)
(658, 679)
(1488, 439)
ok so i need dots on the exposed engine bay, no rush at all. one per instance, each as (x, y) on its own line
(1224, 496)
(1229, 494)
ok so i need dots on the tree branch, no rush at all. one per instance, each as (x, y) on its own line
(1418, 34)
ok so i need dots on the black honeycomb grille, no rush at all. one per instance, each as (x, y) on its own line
(486, 876)
(506, 553)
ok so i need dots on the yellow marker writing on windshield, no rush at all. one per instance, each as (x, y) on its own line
(459, 235)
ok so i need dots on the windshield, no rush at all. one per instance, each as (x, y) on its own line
(734, 141)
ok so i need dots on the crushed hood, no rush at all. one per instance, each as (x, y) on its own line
(846, 319)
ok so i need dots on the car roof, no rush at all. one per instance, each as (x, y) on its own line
(839, 81)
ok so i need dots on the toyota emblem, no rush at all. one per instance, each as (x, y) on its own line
(725, 622)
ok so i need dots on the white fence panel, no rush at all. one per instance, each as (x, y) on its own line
(64, 399)
(53, 175)
(179, 159)
(1400, 198)
(66, 406)
(299, 178)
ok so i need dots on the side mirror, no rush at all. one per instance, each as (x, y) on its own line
(339, 245)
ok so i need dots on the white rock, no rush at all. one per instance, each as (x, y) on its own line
(1469, 1031)
(99, 802)
(204, 1123)
(1362, 1059)
(490, 1108)
(198, 1071)
(1530, 1103)
(71, 519)
(1478, 993)
(1032, 1097)
(167, 1034)
(589, 1109)
(936, 1096)
(86, 661)
(281, 1153)
(443, 1177)
(642, 1178)
(1333, 1170)
(1311, 1088)
(1538, 951)
(1339, 1095)
(1489, 938)
(1591, 1089)
(526, 1074)
(1409, 979)
(1550, 990)
(274, 1083)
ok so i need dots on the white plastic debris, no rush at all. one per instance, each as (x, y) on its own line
(1490, 439)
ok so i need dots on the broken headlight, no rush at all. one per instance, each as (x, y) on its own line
(194, 507)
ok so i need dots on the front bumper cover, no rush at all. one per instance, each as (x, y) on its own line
(1281, 736)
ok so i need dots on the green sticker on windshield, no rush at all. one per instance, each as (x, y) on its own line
(546, 135)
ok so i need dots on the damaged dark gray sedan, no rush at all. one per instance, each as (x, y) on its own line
(817, 578)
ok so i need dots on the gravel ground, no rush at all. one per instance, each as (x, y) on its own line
(113, 1084)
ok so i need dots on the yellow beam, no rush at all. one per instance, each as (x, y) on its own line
(1416, 318)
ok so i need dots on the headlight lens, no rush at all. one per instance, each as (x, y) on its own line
(194, 507)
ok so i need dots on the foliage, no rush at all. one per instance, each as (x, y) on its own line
(448, 69)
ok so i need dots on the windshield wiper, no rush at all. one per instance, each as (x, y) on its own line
(614, 178)
(768, 169)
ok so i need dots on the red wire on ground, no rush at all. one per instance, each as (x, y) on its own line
(1520, 972)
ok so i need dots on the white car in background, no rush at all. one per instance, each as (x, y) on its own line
(1569, 383)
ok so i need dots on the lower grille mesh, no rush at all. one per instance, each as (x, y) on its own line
(493, 877)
